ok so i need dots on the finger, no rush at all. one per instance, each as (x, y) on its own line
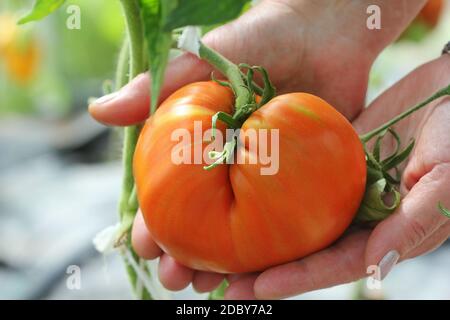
(431, 243)
(131, 104)
(126, 106)
(242, 288)
(416, 219)
(174, 276)
(236, 276)
(142, 241)
(341, 263)
(206, 281)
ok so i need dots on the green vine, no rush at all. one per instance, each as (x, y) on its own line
(380, 184)
(128, 204)
(244, 90)
(368, 136)
(233, 74)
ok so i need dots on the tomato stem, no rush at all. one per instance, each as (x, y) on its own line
(226, 118)
(223, 156)
(366, 137)
(244, 89)
(231, 71)
(380, 182)
(269, 90)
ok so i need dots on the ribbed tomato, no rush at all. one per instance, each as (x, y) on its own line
(232, 218)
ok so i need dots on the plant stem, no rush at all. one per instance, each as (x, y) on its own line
(135, 36)
(366, 137)
(123, 65)
(129, 144)
(128, 202)
(135, 31)
(231, 71)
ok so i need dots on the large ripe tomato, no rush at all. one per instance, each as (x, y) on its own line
(232, 218)
(431, 13)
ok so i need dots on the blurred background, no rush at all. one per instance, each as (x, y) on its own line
(60, 171)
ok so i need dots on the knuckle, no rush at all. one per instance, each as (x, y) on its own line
(417, 232)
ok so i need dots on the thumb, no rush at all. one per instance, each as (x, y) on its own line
(415, 221)
(131, 104)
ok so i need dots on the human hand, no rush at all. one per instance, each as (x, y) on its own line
(414, 229)
(320, 47)
(306, 57)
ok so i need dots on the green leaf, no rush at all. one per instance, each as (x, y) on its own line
(390, 179)
(41, 9)
(399, 158)
(397, 144)
(373, 174)
(159, 41)
(377, 147)
(203, 12)
(373, 206)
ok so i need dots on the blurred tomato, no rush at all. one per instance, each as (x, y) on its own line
(431, 13)
(425, 21)
(18, 49)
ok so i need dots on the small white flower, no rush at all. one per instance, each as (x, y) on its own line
(190, 40)
(105, 240)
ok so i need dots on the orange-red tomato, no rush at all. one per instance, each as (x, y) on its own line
(232, 218)
(18, 48)
(431, 12)
(425, 21)
(21, 62)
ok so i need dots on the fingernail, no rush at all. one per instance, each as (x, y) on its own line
(388, 262)
(106, 98)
